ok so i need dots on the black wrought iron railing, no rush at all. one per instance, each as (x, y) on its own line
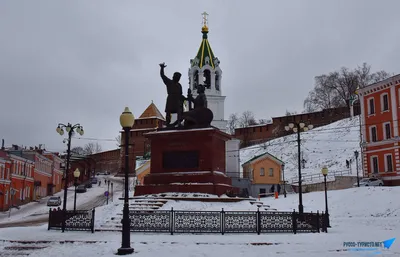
(172, 221)
(80, 220)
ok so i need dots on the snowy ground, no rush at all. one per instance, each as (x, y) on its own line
(357, 214)
(329, 145)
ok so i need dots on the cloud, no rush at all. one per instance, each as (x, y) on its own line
(85, 61)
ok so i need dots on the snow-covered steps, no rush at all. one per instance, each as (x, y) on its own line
(144, 208)
(147, 204)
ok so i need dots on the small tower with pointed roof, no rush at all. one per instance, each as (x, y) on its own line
(204, 69)
(148, 121)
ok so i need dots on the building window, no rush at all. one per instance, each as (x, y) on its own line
(262, 172)
(373, 134)
(271, 172)
(263, 190)
(384, 102)
(374, 164)
(386, 128)
(388, 163)
(1, 172)
(371, 106)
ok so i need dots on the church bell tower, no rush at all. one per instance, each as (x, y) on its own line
(204, 69)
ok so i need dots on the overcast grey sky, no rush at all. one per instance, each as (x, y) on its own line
(84, 61)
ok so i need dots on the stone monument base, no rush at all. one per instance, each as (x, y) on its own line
(187, 161)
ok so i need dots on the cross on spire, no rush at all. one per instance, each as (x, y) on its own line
(205, 19)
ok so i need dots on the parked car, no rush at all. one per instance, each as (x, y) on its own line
(369, 182)
(94, 181)
(103, 173)
(88, 184)
(54, 201)
(81, 188)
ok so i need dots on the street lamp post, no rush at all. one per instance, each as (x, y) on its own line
(284, 182)
(108, 190)
(70, 130)
(358, 178)
(126, 120)
(297, 127)
(324, 172)
(77, 173)
(112, 192)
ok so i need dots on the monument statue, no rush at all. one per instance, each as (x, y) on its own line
(200, 116)
(175, 98)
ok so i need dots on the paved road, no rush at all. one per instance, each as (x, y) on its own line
(40, 219)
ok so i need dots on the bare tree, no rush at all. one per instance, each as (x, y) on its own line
(118, 139)
(263, 121)
(92, 148)
(336, 88)
(247, 119)
(288, 113)
(322, 96)
(78, 150)
(233, 122)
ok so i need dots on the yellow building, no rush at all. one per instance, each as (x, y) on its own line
(264, 172)
(142, 171)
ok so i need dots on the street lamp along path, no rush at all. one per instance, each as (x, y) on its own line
(70, 130)
(297, 127)
(324, 172)
(127, 120)
(77, 173)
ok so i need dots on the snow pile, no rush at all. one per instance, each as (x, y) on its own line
(330, 145)
(353, 203)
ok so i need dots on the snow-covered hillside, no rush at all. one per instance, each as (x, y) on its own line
(329, 145)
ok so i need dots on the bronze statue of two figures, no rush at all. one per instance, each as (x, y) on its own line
(198, 117)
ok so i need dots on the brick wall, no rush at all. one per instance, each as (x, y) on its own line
(261, 133)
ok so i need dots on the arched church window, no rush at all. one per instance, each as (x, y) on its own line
(217, 81)
(195, 79)
(207, 79)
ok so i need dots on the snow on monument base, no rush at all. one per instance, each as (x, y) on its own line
(187, 161)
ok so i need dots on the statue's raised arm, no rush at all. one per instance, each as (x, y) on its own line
(167, 81)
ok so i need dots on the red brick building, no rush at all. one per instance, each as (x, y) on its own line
(16, 179)
(86, 166)
(43, 184)
(380, 103)
(5, 175)
(56, 171)
(261, 133)
(22, 172)
(107, 161)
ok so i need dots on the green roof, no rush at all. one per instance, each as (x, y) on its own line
(255, 157)
(204, 52)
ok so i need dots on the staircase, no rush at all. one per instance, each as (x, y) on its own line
(114, 224)
(21, 248)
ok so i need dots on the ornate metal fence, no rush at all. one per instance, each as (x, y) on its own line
(226, 222)
(81, 220)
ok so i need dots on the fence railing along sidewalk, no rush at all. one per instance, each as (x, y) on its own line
(79, 220)
(171, 221)
(319, 177)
